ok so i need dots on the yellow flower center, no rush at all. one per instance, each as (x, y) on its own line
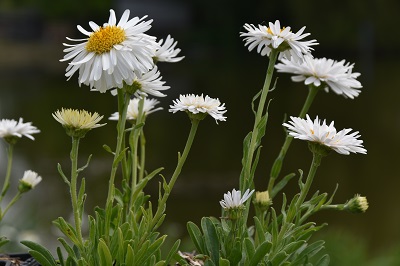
(103, 40)
(270, 31)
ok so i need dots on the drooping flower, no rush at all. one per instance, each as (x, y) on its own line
(77, 122)
(328, 73)
(313, 131)
(357, 204)
(133, 109)
(234, 199)
(150, 83)
(29, 181)
(274, 37)
(111, 54)
(167, 51)
(10, 130)
(198, 107)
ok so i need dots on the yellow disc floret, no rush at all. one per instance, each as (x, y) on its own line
(103, 40)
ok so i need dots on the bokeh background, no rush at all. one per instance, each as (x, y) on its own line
(33, 85)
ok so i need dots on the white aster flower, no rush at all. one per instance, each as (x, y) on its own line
(150, 83)
(29, 181)
(167, 51)
(336, 75)
(10, 129)
(274, 37)
(112, 53)
(198, 105)
(133, 109)
(235, 199)
(342, 142)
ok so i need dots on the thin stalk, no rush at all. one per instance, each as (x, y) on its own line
(133, 143)
(73, 189)
(123, 101)
(6, 184)
(175, 175)
(11, 203)
(244, 184)
(142, 155)
(305, 189)
(277, 166)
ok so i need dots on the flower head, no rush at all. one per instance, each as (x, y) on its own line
(357, 204)
(198, 107)
(167, 51)
(262, 200)
(28, 181)
(133, 109)
(313, 131)
(234, 199)
(331, 74)
(111, 54)
(150, 83)
(274, 37)
(11, 130)
(77, 122)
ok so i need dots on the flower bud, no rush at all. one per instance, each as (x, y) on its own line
(28, 181)
(262, 200)
(357, 204)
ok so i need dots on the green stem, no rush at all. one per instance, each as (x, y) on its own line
(73, 189)
(123, 102)
(247, 180)
(6, 184)
(175, 175)
(133, 143)
(305, 189)
(277, 166)
(142, 155)
(11, 203)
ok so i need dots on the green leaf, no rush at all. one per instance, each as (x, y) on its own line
(259, 230)
(60, 171)
(172, 251)
(260, 253)
(130, 257)
(104, 253)
(281, 184)
(236, 253)
(86, 165)
(324, 261)
(70, 251)
(250, 249)
(279, 258)
(253, 100)
(40, 253)
(119, 158)
(211, 239)
(224, 262)
(108, 149)
(197, 238)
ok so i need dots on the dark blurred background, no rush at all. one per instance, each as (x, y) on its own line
(216, 63)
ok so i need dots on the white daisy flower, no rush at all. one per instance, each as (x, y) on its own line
(274, 37)
(29, 181)
(329, 73)
(111, 53)
(167, 51)
(133, 109)
(150, 83)
(342, 142)
(235, 199)
(11, 128)
(197, 104)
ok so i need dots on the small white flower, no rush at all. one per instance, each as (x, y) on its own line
(235, 199)
(197, 104)
(11, 128)
(111, 53)
(150, 83)
(342, 142)
(274, 37)
(29, 180)
(133, 109)
(331, 74)
(167, 51)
